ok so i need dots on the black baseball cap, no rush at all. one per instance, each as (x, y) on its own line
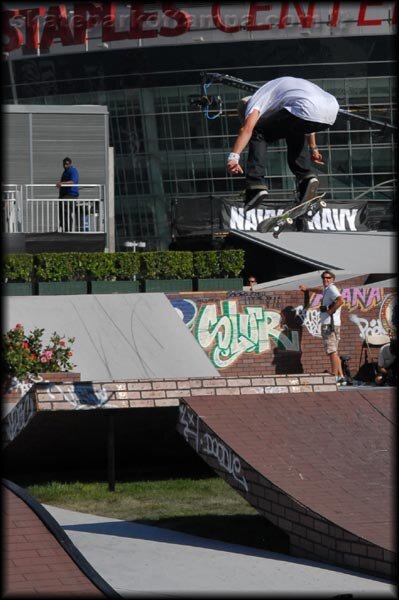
(66, 159)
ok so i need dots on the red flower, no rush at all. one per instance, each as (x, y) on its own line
(19, 326)
(25, 345)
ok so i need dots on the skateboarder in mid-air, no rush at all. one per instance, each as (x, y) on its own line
(285, 108)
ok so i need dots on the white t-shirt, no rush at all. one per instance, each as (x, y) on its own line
(330, 294)
(300, 97)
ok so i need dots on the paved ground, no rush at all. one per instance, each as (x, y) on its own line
(143, 560)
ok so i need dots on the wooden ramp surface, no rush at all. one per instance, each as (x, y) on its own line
(319, 465)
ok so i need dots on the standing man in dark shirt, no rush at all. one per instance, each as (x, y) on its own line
(67, 212)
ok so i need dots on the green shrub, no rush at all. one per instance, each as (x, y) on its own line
(232, 262)
(18, 268)
(127, 265)
(103, 266)
(100, 266)
(60, 266)
(176, 265)
(167, 265)
(206, 264)
(150, 265)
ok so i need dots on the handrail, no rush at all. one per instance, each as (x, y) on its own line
(28, 212)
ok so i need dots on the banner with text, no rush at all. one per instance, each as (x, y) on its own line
(335, 217)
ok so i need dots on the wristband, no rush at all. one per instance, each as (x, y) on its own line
(311, 148)
(233, 156)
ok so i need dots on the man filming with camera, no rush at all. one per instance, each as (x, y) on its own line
(330, 320)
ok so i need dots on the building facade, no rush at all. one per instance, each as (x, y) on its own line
(144, 62)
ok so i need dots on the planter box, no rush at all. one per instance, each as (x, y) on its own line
(114, 287)
(63, 288)
(222, 284)
(17, 289)
(61, 377)
(168, 285)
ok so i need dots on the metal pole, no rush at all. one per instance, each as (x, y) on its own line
(111, 451)
(12, 80)
(252, 87)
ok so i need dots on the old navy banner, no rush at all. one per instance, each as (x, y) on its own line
(335, 217)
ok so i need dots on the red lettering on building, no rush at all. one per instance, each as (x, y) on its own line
(306, 20)
(82, 23)
(183, 21)
(217, 21)
(11, 33)
(138, 18)
(32, 35)
(56, 26)
(362, 20)
(114, 22)
(334, 16)
(253, 11)
(108, 22)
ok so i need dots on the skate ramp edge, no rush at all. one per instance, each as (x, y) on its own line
(54, 565)
(317, 465)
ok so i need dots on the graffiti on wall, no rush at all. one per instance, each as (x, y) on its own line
(211, 446)
(80, 395)
(18, 417)
(227, 330)
(360, 298)
(227, 334)
(363, 299)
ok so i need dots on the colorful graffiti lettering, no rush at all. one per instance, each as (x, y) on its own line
(355, 298)
(231, 334)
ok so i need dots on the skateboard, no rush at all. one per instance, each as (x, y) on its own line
(307, 209)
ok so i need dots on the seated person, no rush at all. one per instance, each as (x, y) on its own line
(387, 364)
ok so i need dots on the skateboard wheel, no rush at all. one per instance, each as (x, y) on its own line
(323, 204)
(290, 221)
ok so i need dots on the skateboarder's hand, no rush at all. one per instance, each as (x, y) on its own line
(234, 167)
(317, 157)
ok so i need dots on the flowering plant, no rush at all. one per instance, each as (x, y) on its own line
(25, 355)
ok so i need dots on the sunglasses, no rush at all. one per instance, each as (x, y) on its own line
(251, 280)
(326, 277)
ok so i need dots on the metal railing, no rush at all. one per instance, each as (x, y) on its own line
(37, 209)
(12, 208)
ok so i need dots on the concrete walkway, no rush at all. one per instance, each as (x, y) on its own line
(139, 560)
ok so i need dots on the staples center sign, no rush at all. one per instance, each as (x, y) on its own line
(83, 26)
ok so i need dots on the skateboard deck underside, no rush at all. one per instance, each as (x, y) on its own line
(286, 218)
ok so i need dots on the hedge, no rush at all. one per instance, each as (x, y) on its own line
(102, 266)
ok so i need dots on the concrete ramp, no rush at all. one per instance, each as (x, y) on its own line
(117, 336)
(317, 465)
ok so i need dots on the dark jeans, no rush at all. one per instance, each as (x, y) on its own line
(282, 125)
(67, 213)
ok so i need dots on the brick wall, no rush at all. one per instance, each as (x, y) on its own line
(269, 333)
(75, 395)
